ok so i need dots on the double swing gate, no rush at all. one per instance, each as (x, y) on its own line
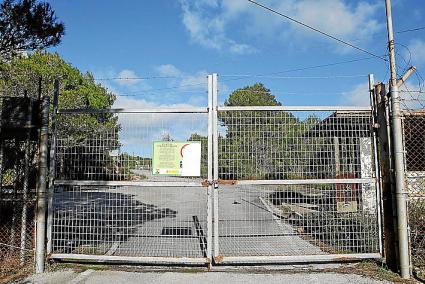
(278, 184)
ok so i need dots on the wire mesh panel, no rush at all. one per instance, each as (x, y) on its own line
(284, 145)
(108, 201)
(296, 182)
(121, 150)
(295, 220)
(130, 221)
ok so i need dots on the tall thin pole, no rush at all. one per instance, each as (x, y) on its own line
(52, 170)
(377, 175)
(25, 188)
(210, 168)
(215, 162)
(40, 246)
(398, 154)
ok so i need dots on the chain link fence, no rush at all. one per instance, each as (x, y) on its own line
(413, 103)
(18, 171)
(414, 141)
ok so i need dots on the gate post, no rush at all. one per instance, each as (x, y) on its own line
(52, 168)
(381, 106)
(215, 161)
(41, 188)
(210, 170)
(377, 175)
(26, 173)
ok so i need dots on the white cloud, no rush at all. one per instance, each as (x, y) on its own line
(138, 131)
(209, 22)
(178, 86)
(168, 70)
(183, 80)
(417, 50)
(359, 96)
(126, 78)
(208, 30)
(131, 103)
(337, 17)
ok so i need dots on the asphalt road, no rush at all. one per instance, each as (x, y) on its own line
(106, 277)
(248, 228)
(172, 222)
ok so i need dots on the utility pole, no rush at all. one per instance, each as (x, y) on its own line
(403, 240)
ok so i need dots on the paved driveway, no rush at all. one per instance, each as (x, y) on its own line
(248, 228)
(172, 222)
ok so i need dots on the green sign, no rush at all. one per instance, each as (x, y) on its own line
(173, 158)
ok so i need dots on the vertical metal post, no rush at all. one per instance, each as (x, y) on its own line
(337, 157)
(52, 168)
(215, 162)
(1, 150)
(26, 180)
(16, 168)
(41, 188)
(376, 174)
(1, 164)
(398, 153)
(210, 169)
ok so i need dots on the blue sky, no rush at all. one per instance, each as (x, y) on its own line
(187, 39)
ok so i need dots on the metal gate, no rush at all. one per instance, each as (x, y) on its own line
(107, 206)
(295, 184)
(278, 184)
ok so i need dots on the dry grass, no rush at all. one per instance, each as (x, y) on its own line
(376, 271)
(11, 270)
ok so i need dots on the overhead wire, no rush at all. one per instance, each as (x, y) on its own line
(382, 35)
(316, 30)
(243, 76)
(295, 69)
(149, 93)
(410, 30)
(137, 78)
(224, 75)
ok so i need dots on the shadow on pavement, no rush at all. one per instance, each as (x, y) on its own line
(91, 221)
